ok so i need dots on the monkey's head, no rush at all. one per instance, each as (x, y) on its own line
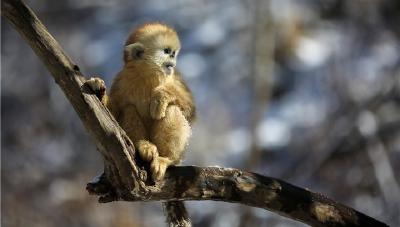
(153, 45)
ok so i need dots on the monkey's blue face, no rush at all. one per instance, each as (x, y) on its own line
(159, 57)
(166, 58)
(163, 48)
(156, 48)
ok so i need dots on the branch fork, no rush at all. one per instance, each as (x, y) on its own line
(124, 179)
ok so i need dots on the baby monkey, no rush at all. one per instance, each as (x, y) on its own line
(149, 98)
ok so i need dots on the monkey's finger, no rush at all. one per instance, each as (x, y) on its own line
(161, 172)
(147, 150)
(154, 109)
(156, 170)
(98, 86)
(154, 165)
(157, 110)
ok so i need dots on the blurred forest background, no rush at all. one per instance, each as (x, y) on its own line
(306, 91)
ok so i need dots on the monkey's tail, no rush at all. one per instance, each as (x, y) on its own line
(176, 214)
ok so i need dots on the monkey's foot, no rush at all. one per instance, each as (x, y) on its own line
(98, 86)
(147, 150)
(158, 167)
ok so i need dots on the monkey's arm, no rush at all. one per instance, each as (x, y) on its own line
(184, 99)
(160, 99)
(177, 93)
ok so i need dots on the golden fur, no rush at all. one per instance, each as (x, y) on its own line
(149, 99)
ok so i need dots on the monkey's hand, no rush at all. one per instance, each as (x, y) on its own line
(98, 86)
(159, 103)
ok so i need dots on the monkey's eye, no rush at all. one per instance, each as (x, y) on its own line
(167, 50)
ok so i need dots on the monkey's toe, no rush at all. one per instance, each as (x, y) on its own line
(158, 168)
(147, 150)
(97, 85)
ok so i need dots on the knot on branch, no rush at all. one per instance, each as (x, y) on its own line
(100, 186)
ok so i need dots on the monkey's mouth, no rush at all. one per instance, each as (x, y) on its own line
(168, 67)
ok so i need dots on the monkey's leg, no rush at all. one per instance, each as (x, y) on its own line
(170, 134)
(133, 125)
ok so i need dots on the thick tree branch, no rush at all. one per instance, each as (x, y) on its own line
(236, 186)
(123, 179)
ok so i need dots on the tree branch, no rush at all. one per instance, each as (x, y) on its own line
(123, 179)
(112, 142)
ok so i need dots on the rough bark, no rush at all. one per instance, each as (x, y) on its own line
(123, 179)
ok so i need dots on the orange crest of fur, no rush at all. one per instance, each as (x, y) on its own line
(153, 32)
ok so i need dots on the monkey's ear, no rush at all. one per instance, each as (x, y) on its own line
(133, 51)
